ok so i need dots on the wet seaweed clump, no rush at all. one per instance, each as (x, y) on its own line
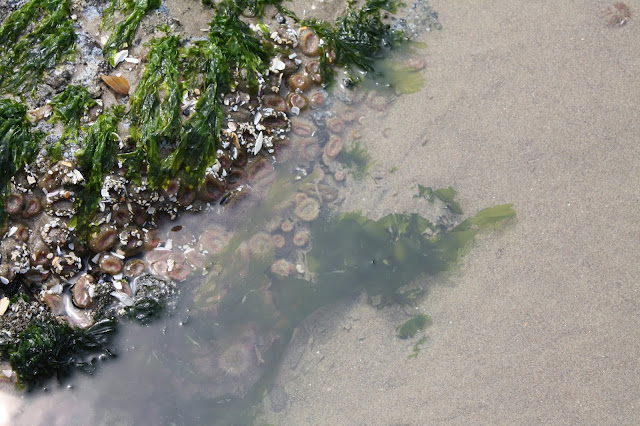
(96, 159)
(50, 348)
(34, 39)
(71, 107)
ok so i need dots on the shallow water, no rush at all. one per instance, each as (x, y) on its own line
(210, 360)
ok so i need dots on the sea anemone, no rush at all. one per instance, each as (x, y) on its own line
(308, 210)
(313, 71)
(214, 239)
(13, 204)
(283, 267)
(309, 43)
(134, 268)
(301, 238)
(32, 207)
(237, 360)
(83, 291)
(286, 226)
(297, 100)
(274, 101)
(110, 264)
(278, 240)
(103, 239)
(333, 147)
(178, 268)
(335, 124)
(299, 82)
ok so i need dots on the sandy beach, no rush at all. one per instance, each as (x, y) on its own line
(527, 102)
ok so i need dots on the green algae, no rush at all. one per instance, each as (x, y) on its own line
(51, 348)
(96, 159)
(357, 158)
(34, 39)
(125, 31)
(358, 39)
(413, 326)
(18, 145)
(70, 107)
(415, 351)
(155, 109)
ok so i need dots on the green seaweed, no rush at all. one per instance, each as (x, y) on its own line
(25, 52)
(122, 36)
(70, 107)
(425, 192)
(358, 39)
(18, 144)
(96, 158)
(232, 49)
(155, 109)
(49, 348)
(447, 195)
(357, 158)
(412, 326)
(416, 348)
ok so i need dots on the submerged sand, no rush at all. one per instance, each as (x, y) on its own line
(527, 102)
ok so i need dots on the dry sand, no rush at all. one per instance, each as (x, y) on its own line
(533, 103)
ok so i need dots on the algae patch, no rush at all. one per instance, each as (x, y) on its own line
(413, 326)
(34, 39)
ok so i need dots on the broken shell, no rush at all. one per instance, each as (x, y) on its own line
(117, 82)
(120, 56)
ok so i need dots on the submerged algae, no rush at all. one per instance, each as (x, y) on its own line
(412, 326)
(358, 39)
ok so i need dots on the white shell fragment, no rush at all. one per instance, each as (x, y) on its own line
(123, 297)
(4, 304)
(132, 60)
(277, 65)
(120, 56)
(258, 147)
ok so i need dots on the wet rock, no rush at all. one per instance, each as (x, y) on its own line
(59, 76)
(278, 397)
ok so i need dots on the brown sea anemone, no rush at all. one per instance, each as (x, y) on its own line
(313, 70)
(297, 100)
(110, 264)
(335, 124)
(32, 207)
(274, 101)
(309, 42)
(13, 204)
(82, 291)
(333, 147)
(283, 267)
(237, 360)
(301, 238)
(299, 82)
(103, 239)
(134, 268)
(308, 210)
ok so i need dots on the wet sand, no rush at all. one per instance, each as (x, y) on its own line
(527, 102)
